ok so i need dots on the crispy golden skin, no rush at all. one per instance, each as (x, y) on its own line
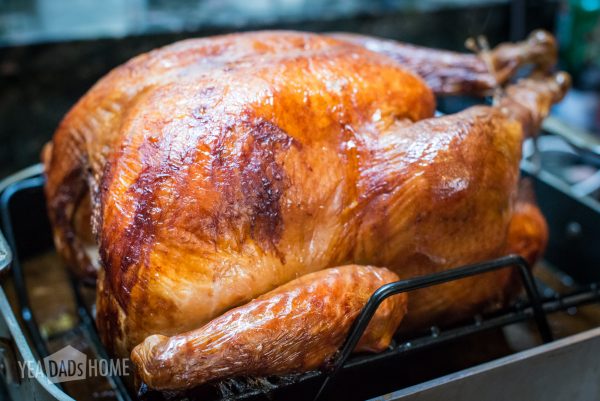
(217, 170)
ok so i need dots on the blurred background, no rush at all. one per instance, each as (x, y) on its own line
(52, 51)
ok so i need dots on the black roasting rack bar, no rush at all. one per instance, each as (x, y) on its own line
(535, 308)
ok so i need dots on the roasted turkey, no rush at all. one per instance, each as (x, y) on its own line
(239, 198)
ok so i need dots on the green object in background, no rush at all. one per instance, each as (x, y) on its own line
(579, 35)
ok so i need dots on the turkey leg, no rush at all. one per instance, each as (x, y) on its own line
(297, 327)
(451, 73)
(474, 152)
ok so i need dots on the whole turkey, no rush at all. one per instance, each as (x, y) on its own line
(239, 198)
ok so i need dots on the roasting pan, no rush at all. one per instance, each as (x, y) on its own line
(549, 371)
(566, 369)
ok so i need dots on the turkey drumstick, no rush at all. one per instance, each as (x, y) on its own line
(294, 328)
(452, 185)
(451, 73)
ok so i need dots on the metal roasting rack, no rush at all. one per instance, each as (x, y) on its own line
(535, 308)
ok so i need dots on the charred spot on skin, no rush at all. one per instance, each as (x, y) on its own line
(139, 234)
(251, 179)
(263, 180)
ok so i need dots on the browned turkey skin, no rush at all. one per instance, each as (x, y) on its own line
(280, 166)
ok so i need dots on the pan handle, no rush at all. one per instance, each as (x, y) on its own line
(6, 255)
